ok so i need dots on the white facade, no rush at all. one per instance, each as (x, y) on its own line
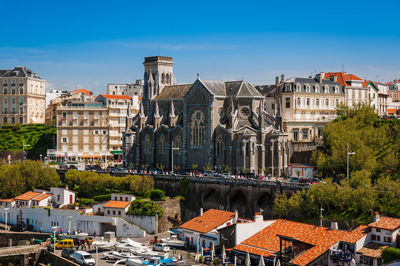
(130, 89)
(43, 202)
(122, 197)
(98, 208)
(7, 204)
(62, 196)
(115, 211)
(72, 221)
(246, 230)
(53, 94)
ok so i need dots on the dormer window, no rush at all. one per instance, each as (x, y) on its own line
(336, 90)
(307, 88)
(297, 86)
(326, 89)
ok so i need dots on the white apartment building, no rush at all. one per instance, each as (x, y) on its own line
(378, 95)
(22, 96)
(54, 94)
(130, 89)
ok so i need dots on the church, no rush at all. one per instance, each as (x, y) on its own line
(219, 125)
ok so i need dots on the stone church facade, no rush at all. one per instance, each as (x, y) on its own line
(216, 124)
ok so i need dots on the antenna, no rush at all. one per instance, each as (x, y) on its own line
(342, 68)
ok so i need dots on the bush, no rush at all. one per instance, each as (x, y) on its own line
(157, 194)
(100, 198)
(390, 254)
(145, 207)
(179, 197)
(86, 202)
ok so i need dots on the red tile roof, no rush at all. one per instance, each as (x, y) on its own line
(254, 250)
(28, 195)
(7, 200)
(321, 238)
(342, 77)
(392, 111)
(108, 96)
(42, 197)
(82, 91)
(210, 220)
(388, 223)
(117, 204)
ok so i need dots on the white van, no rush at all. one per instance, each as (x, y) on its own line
(83, 258)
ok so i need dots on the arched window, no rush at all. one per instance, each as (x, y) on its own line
(147, 147)
(167, 79)
(162, 78)
(316, 88)
(161, 149)
(197, 128)
(218, 146)
(178, 144)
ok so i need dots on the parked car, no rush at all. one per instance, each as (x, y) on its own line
(304, 180)
(21, 227)
(65, 243)
(294, 179)
(68, 253)
(314, 181)
(161, 247)
(83, 258)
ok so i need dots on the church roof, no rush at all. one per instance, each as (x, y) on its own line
(231, 88)
(216, 87)
(173, 92)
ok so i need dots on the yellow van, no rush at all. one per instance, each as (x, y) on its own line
(65, 243)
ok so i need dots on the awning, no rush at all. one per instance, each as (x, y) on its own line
(117, 152)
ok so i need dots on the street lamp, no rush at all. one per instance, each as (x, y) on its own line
(348, 153)
(23, 148)
(69, 224)
(5, 211)
(54, 230)
(172, 156)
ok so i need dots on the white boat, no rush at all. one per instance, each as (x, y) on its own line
(139, 262)
(80, 236)
(173, 241)
(129, 245)
(115, 255)
(101, 244)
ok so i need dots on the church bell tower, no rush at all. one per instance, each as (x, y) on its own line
(158, 73)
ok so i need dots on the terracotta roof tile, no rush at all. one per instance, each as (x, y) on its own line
(82, 91)
(320, 238)
(117, 204)
(342, 77)
(210, 220)
(388, 223)
(28, 195)
(124, 97)
(254, 250)
(372, 250)
(7, 200)
(42, 197)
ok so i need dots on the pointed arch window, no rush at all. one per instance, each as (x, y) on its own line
(218, 146)
(167, 78)
(147, 147)
(162, 78)
(178, 144)
(198, 126)
(162, 149)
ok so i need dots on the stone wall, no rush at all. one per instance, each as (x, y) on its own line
(49, 258)
(147, 223)
(172, 213)
(7, 238)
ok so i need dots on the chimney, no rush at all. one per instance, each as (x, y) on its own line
(276, 80)
(258, 217)
(235, 219)
(377, 217)
(334, 225)
(201, 211)
(282, 78)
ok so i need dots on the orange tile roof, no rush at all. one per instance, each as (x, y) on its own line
(321, 238)
(117, 204)
(28, 195)
(82, 91)
(108, 96)
(391, 111)
(210, 220)
(372, 250)
(7, 200)
(388, 223)
(342, 77)
(42, 197)
(254, 250)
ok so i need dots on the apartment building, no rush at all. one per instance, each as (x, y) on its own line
(82, 128)
(120, 113)
(355, 92)
(130, 89)
(307, 104)
(22, 96)
(378, 95)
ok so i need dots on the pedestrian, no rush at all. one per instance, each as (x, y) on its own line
(41, 229)
(94, 234)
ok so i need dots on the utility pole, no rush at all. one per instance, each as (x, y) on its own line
(172, 156)
(320, 216)
(348, 153)
(23, 148)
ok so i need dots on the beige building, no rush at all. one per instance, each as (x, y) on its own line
(130, 89)
(82, 129)
(307, 104)
(22, 96)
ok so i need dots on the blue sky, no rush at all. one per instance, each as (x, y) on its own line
(74, 44)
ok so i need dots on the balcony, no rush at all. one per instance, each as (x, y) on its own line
(115, 134)
(115, 142)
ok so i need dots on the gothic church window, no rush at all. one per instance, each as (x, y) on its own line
(218, 147)
(147, 144)
(167, 78)
(162, 149)
(198, 126)
(178, 144)
(162, 78)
